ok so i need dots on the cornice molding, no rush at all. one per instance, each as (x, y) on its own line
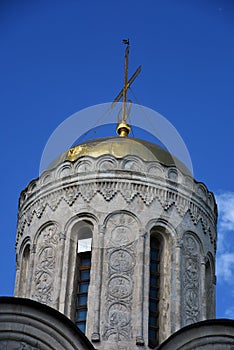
(107, 176)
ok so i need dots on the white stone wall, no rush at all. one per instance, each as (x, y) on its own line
(121, 200)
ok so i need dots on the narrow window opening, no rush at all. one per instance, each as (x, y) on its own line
(209, 291)
(24, 270)
(154, 292)
(84, 267)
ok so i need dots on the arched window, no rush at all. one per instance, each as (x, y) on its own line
(154, 291)
(24, 270)
(209, 288)
(83, 275)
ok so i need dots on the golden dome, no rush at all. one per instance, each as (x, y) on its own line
(120, 147)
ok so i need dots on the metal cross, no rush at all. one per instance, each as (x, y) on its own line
(127, 83)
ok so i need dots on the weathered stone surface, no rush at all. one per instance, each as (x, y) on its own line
(29, 325)
(206, 335)
(121, 201)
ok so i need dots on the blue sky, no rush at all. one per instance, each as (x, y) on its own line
(58, 57)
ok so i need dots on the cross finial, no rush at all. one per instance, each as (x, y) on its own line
(125, 88)
(123, 128)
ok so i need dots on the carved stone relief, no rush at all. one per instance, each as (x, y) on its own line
(120, 287)
(121, 260)
(129, 190)
(15, 345)
(45, 264)
(108, 190)
(118, 319)
(109, 163)
(70, 195)
(190, 285)
(88, 191)
(120, 257)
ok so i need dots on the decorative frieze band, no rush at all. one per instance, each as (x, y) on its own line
(107, 166)
(167, 197)
(108, 177)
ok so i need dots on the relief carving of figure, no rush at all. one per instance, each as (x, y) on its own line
(121, 235)
(192, 302)
(46, 258)
(120, 287)
(191, 268)
(45, 264)
(43, 287)
(118, 315)
(121, 231)
(121, 260)
(50, 234)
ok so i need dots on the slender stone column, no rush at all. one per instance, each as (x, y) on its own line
(17, 278)
(140, 296)
(203, 289)
(29, 289)
(61, 247)
(176, 321)
(95, 337)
